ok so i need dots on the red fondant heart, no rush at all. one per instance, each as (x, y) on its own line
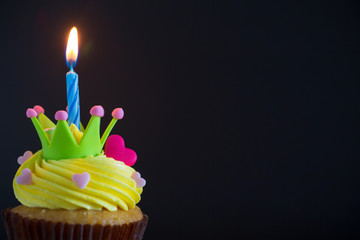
(115, 148)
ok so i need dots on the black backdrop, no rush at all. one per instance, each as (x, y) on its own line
(243, 114)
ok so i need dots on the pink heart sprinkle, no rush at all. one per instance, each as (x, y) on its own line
(30, 113)
(81, 180)
(61, 115)
(97, 111)
(24, 157)
(39, 109)
(25, 178)
(118, 113)
(140, 182)
(115, 148)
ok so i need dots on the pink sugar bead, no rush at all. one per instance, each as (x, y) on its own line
(97, 111)
(39, 109)
(61, 115)
(118, 113)
(30, 113)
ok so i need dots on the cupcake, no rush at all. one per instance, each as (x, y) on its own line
(71, 188)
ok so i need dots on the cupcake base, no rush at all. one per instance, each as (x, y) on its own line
(19, 228)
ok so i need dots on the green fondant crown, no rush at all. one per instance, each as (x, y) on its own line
(63, 142)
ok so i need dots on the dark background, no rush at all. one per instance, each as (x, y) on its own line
(244, 114)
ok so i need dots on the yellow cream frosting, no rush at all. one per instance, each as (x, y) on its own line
(110, 187)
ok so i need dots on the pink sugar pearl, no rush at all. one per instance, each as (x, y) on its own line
(30, 113)
(97, 111)
(118, 113)
(39, 109)
(61, 115)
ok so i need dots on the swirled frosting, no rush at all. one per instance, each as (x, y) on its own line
(110, 187)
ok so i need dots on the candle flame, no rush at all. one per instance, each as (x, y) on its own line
(72, 48)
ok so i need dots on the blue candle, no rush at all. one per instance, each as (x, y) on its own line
(72, 87)
(72, 79)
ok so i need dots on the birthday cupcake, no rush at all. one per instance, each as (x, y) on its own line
(71, 188)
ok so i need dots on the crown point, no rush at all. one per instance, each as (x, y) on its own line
(61, 115)
(39, 109)
(97, 111)
(118, 113)
(30, 113)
